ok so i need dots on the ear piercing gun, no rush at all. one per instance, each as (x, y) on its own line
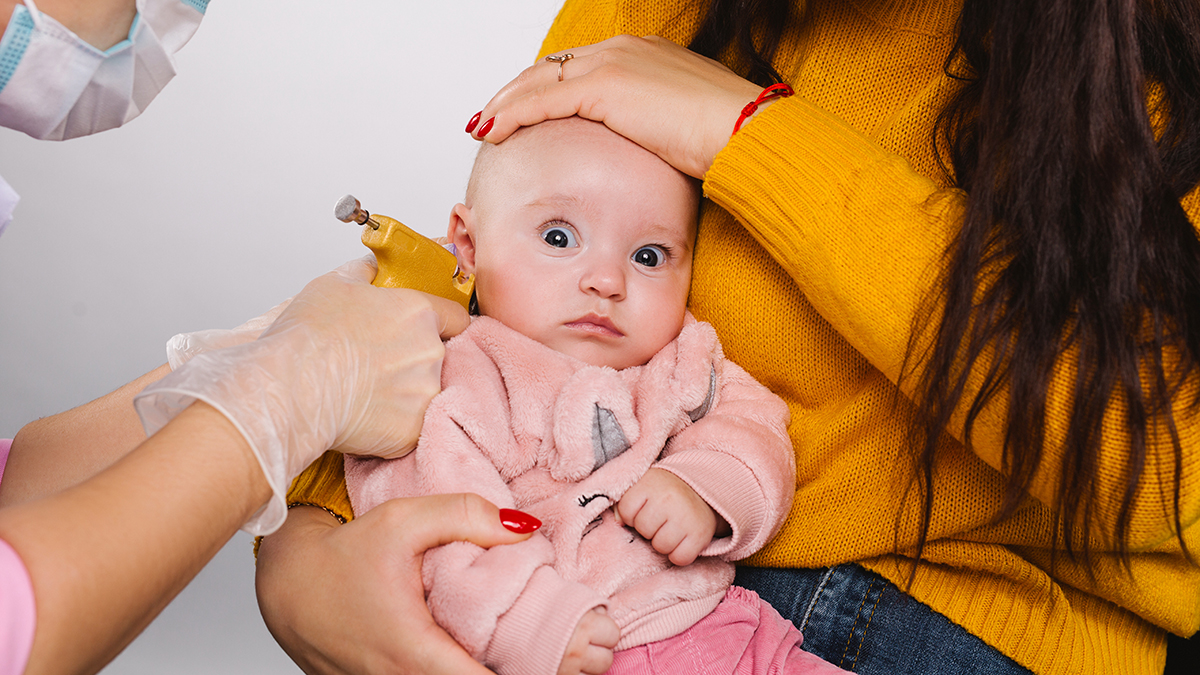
(406, 258)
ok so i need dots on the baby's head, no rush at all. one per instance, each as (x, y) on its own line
(579, 239)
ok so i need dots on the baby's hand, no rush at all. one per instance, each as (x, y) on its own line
(668, 512)
(590, 651)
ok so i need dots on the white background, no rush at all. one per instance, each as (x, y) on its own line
(217, 203)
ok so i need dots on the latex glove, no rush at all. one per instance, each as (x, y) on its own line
(346, 366)
(675, 103)
(182, 347)
(362, 608)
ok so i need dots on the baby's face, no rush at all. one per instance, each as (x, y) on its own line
(582, 241)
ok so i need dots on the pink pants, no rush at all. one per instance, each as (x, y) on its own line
(742, 636)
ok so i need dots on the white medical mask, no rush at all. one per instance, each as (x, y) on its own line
(55, 86)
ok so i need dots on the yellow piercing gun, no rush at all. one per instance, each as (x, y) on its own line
(407, 259)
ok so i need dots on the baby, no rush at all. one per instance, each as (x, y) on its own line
(586, 395)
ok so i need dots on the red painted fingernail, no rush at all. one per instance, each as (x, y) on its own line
(474, 122)
(519, 521)
(487, 126)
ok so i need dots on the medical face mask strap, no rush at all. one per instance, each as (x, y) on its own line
(34, 13)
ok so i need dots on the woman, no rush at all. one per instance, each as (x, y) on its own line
(102, 526)
(962, 252)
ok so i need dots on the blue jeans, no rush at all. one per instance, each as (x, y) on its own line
(863, 623)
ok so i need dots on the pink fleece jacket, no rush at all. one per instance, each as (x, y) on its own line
(532, 429)
(18, 614)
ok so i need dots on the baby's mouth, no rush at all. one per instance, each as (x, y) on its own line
(594, 323)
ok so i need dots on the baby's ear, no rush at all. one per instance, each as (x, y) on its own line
(461, 233)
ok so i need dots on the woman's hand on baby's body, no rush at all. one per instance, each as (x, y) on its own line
(348, 599)
(670, 514)
(590, 651)
(675, 103)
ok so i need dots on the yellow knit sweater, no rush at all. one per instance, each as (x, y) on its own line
(828, 220)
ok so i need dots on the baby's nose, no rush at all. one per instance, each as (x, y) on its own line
(605, 279)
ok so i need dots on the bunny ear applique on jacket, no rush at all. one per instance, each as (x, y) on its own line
(700, 411)
(594, 422)
(685, 374)
(696, 369)
(608, 440)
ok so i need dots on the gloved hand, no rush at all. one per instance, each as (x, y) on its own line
(183, 347)
(346, 366)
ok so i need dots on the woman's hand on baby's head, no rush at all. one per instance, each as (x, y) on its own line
(675, 103)
(590, 651)
(669, 513)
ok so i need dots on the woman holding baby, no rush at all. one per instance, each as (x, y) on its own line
(963, 252)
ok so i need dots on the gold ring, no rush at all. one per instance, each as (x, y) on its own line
(560, 60)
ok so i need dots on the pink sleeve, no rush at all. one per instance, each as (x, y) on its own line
(17, 615)
(739, 459)
(5, 446)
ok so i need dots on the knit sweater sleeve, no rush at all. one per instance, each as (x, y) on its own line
(586, 22)
(863, 236)
(580, 23)
(739, 459)
(323, 484)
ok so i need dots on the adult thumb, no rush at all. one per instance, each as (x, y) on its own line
(452, 318)
(435, 520)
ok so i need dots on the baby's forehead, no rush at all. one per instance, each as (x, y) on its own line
(574, 136)
(573, 131)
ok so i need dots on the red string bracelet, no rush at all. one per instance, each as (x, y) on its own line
(773, 91)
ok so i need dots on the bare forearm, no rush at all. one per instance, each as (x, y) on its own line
(284, 557)
(107, 555)
(101, 23)
(63, 450)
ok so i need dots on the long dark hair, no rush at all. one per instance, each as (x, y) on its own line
(734, 22)
(1075, 262)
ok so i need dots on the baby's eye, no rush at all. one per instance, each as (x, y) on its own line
(650, 256)
(559, 237)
